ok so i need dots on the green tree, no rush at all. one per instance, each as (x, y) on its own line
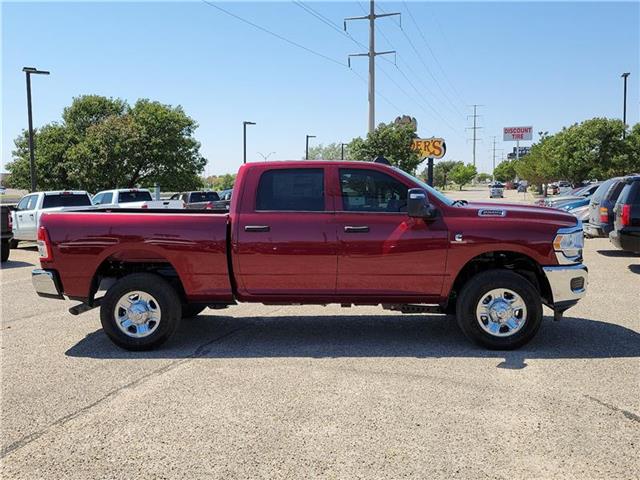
(393, 141)
(104, 143)
(332, 151)
(442, 172)
(463, 174)
(483, 177)
(224, 182)
(505, 171)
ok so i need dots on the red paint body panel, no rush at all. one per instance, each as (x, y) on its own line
(195, 244)
(304, 257)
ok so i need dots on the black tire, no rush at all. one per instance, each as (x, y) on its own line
(5, 250)
(191, 310)
(164, 294)
(473, 292)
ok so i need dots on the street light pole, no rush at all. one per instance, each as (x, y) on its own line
(342, 150)
(32, 162)
(265, 157)
(244, 139)
(624, 104)
(306, 150)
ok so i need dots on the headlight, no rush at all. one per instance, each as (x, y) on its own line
(568, 244)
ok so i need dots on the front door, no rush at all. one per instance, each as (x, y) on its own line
(284, 240)
(381, 251)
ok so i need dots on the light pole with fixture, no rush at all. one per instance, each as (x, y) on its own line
(266, 157)
(32, 163)
(244, 139)
(624, 104)
(306, 154)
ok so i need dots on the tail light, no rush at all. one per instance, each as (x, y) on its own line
(625, 215)
(144, 205)
(44, 245)
(604, 215)
(209, 206)
(10, 222)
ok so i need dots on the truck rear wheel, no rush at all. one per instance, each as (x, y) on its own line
(140, 312)
(499, 309)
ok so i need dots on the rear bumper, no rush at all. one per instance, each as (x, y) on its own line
(46, 283)
(568, 283)
(592, 231)
(626, 240)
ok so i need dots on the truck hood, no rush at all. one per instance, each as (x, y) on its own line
(519, 211)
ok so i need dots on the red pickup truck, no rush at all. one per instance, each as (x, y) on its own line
(318, 232)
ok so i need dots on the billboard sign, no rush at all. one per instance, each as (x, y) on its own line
(430, 147)
(517, 134)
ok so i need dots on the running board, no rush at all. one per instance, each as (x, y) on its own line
(412, 308)
(83, 307)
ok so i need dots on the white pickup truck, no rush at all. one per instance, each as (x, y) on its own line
(26, 216)
(132, 198)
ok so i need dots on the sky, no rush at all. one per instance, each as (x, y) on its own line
(542, 64)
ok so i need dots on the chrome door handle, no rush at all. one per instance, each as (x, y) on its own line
(356, 229)
(257, 228)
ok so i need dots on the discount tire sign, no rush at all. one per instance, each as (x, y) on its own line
(515, 134)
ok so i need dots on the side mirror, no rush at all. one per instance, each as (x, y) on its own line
(418, 205)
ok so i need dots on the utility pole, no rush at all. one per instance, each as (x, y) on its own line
(624, 104)
(32, 161)
(306, 150)
(475, 128)
(493, 172)
(342, 150)
(244, 139)
(372, 57)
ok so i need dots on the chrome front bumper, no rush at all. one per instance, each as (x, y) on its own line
(568, 282)
(46, 284)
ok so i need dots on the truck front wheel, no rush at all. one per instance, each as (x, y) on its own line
(140, 312)
(499, 309)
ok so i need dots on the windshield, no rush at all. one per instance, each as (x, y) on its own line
(66, 200)
(430, 190)
(134, 196)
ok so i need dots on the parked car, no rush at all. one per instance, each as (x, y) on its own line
(26, 216)
(601, 208)
(564, 187)
(225, 200)
(496, 190)
(575, 194)
(308, 232)
(7, 232)
(626, 225)
(132, 198)
(581, 213)
(198, 199)
(553, 189)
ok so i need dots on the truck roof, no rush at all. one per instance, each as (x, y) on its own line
(302, 163)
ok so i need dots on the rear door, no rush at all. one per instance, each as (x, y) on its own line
(382, 252)
(284, 241)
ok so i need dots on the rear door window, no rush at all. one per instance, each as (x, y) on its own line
(66, 200)
(24, 203)
(134, 196)
(614, 191)
(601, 190)
(295, 189)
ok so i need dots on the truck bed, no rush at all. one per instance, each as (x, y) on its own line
(193, 242)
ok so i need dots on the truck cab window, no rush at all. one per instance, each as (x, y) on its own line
(299, 189)
(371, 191)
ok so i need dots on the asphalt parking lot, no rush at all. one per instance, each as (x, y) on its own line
(306, 392)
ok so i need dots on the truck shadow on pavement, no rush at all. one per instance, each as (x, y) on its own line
(219, 337)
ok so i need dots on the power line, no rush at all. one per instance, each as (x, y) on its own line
(424, 38)
(273, 34)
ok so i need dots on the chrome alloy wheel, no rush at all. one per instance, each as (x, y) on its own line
(137, 314)
(501, 312)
